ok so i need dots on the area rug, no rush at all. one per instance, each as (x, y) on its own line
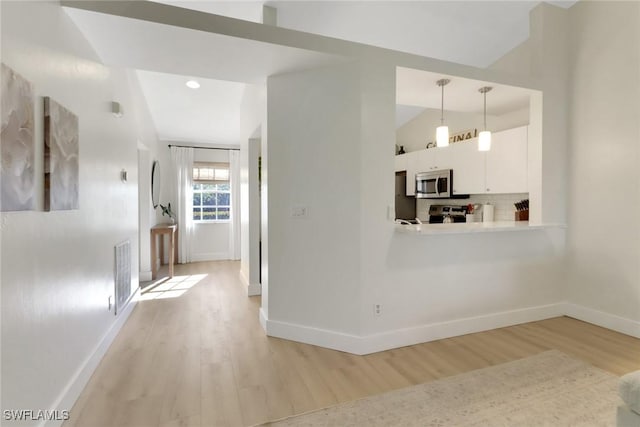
(548, 389)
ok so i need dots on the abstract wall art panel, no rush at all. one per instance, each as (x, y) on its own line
(61, 150)
(17, 145)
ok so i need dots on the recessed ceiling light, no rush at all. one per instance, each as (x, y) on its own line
(193, 84)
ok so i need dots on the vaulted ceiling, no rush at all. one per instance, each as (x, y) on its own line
(467, 32)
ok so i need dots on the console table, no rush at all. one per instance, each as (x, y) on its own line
(158, 231)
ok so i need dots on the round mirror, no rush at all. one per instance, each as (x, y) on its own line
(155, 183)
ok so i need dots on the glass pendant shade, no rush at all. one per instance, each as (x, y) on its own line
(442, 136)
(484, 141)
(442, 132)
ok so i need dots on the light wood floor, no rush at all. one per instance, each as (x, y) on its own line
(200, 358)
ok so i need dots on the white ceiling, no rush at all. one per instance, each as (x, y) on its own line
(472, 32)
(209, 114)
(418, 88)
(143, 45)
(467, 32)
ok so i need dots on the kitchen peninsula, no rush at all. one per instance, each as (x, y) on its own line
(471, 227)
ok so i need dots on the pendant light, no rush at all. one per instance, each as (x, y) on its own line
(484, 140)
(442, 132)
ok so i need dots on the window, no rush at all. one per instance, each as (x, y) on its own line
(211, 192)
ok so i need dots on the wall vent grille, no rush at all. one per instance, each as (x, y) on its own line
(123, 291)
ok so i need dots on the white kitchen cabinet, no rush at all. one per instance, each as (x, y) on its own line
(468, 166)
(401, 162)
(503, 169)
(506, 162)
(437, 158)
(412, 170)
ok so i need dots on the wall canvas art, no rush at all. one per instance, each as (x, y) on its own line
(61, 150)
(17, 145)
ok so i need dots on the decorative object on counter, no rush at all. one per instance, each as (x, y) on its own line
(61, 162)
(458, 137)
(463, 135)
(484, 141)
(487, 212)
(166, 210)
(401, 150)
(522, 210)
(17, 145)
(470, 216)
(442, 132)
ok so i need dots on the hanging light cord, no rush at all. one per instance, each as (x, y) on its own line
(485, 110)
(442, 105)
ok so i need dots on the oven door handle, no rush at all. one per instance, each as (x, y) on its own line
(438, 186)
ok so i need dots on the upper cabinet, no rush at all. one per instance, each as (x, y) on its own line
(401, 162)
(503, 169)
(507, 162)
(468, 166)
(413, 167)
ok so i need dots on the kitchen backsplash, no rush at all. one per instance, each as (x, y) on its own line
(503, 205)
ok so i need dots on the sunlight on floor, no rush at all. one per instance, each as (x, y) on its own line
(171, 287)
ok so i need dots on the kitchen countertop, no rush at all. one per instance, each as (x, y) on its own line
(472, 227)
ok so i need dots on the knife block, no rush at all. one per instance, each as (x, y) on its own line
(522, 215)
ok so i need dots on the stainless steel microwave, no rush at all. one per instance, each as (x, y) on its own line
(434, 184)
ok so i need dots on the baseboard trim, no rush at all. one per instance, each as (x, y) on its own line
(315, 336)
(263, 320)
(253, 289)
(210, 256)
(436, 331)
(145, 276)
(403, 337)
(606, 320)
(79, 380)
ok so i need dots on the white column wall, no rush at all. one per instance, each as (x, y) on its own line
(604, 280)
(313, 155)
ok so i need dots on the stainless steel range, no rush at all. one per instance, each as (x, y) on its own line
(439, 214)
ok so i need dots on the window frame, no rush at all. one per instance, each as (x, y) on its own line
(202, 191)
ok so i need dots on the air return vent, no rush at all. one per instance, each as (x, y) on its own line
(123, 291)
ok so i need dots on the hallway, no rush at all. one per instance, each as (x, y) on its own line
(196, 355)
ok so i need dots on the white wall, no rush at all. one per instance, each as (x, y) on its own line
(429, 286)
(147, 152)
(253, 115)
(57, 267)
(605, 163)
(313, 163)
(416, 133)
(329, 150)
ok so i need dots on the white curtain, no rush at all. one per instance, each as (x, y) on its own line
(182, 168)
(234, 180)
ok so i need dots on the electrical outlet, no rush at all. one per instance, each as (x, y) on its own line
(299, 212)
(377, 309)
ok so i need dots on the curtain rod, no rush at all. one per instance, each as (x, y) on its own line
(203, 148)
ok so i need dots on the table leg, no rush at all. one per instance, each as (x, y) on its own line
(161, 248)
(175, 247)
(154, 267)
(171, 253)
